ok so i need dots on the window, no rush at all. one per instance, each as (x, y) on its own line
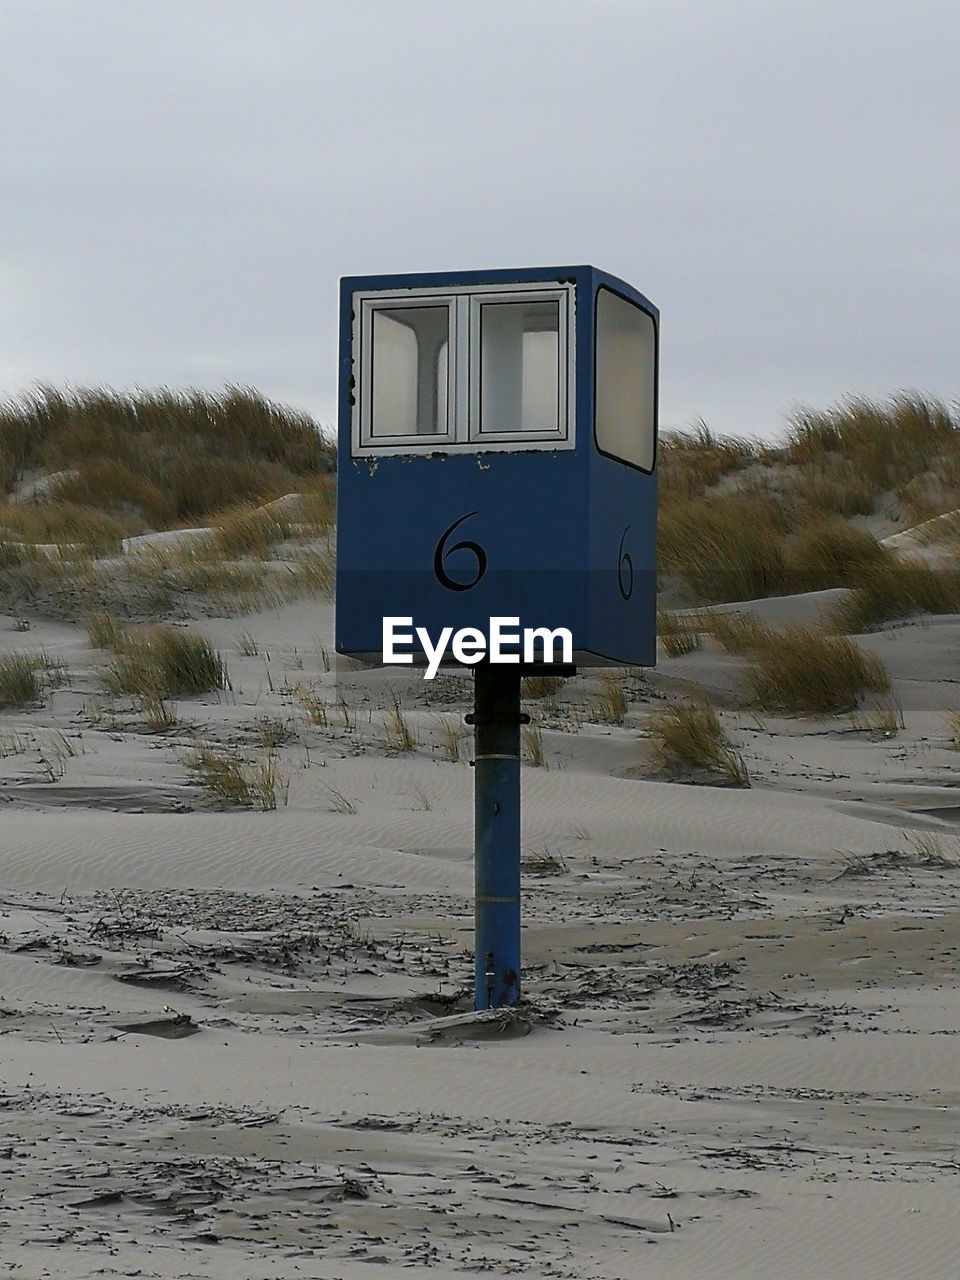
(519, 367)
(626, 381)
(465, 370)
(405, 378)
(409, 376)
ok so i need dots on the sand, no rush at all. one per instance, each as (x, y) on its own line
(237, 1044)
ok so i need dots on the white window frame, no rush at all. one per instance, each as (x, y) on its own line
(363, 426)
(490, 439)
(463, 433)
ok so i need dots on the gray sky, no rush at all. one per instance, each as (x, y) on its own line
(183, 181)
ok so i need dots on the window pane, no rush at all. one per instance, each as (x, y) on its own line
(626, 381)
(409, 374)
(520, 366)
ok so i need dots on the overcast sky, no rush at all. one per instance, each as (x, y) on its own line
(182, 182)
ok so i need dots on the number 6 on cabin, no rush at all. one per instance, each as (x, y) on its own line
(497, 457)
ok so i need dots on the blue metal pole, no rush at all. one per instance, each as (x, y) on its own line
(497, 722)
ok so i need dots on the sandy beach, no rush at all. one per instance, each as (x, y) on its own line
(238, 1043)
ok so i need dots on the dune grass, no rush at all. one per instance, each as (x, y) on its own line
(156, 582)
(540, 686)
(164, 457)
(309, 574)
(65, 526)
(611, 703)
(158, 714)
(884, 720)
(802, 670)
(397, 733)
(105, 631)
(830, 553)
(449, 737)
(228, 777)
(249, 529)
(678, 633)
(739, 520)
(688, 737)
(730, 548)
(690, 462)
(735, 632)
(885, 443)
(25, 678)
(21, 684)
(892, 588)
(743, 547)
(798, 669)
(163, 662)
(532, 748)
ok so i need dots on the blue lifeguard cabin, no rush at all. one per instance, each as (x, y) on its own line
(497, 457)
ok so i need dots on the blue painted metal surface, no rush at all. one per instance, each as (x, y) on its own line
(496, 719)
(563, 532)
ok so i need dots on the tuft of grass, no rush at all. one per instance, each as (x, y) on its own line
(884, 720)
(540, 686)
(690, 462)
(928, 849)
(314, 704)
(737, 633)
(310, 574)
(728, 548)
(678, 633)
(229, 778)
(14, 744)
(611, 703)
(831, 553)
(688, 736)
(105, 631)
(798, 669)
(25, 677)
(397, 733)
(164, 662)
(247, 644)
(424, 803)
(52, 671)
(348, 713)
(272, 731)
(893, 588)
(533, 752)
(158, 715)
(21, 684)
(449, 735)
(543, 862)
(166, 574)
(250, 530)
(339, 803)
